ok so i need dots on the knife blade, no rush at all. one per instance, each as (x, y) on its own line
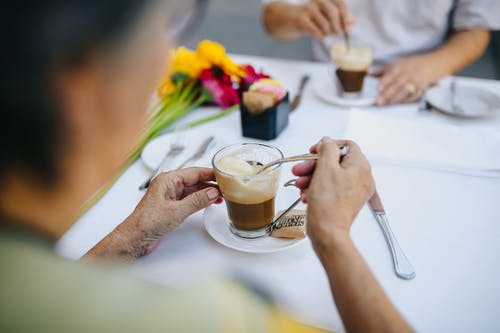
(402, 265)
(202, 149)
(298, 98)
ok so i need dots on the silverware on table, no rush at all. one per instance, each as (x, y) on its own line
(202, 149)
(402, 265)
(298, 97)
(176, 148)
(324, 49)
(455, 108)
(424, 105)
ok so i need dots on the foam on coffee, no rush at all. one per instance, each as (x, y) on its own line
(352, 58)
(239, 183)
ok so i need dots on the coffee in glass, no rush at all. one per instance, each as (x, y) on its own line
(352, 64)
(249, 197)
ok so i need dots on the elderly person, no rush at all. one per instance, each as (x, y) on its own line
(76, 80)
(415, 43)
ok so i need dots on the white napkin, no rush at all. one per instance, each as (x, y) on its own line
(423, 144)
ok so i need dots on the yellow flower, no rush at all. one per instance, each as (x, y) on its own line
(166, 88)
(191, 63)
(215, 54)
(188, 62)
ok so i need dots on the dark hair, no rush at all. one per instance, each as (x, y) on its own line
(38, 37)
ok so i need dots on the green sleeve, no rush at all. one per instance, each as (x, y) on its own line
(43, 293)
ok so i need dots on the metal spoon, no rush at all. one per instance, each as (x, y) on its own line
(292, 206)
(347, 40)
(343, 151)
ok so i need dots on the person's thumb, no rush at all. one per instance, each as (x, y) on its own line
(197, 201)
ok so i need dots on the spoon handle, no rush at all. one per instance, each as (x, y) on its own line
(304, 157)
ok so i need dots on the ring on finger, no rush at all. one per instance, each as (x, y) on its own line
(411, 88)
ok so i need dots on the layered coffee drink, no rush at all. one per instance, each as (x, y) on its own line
(249, 196)
(352, 64)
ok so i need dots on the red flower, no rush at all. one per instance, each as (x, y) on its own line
(220, 87)
(251, 77)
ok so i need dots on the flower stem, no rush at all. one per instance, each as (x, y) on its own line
(221, 114)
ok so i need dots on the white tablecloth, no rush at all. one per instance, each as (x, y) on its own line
(448, 224)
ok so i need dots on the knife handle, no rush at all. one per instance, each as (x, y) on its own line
(144, 186)
(161, 168)
(402, 265)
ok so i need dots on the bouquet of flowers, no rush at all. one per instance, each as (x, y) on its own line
(206, 76)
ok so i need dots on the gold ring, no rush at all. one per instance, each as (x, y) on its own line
(411, 88)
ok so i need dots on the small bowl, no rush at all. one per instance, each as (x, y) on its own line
(267, 125)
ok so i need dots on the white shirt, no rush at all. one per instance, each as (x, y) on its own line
(397, 28)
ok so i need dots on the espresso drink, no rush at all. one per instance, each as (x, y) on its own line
(352, 81)
(249, 197)
(251, 216)
(351, 66)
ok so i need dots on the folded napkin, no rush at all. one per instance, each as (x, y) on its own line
(423, 144)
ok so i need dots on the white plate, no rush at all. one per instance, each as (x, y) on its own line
(475, 102)
(325, 89)
(217, 225)
(156, 149)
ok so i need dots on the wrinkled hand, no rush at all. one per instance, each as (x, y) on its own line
(320, 18)
(170, 199)
(404, 81)
(335, 191)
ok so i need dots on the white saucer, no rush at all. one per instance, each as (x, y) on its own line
(474, 102)
(325, 89)
(217, 225)
(156, 149)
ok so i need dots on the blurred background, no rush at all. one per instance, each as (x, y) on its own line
(237, 25)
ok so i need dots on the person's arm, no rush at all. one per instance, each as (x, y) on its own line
(361, 302)
(316, 18)
(398, 79)
(170, 199)
(335, 192)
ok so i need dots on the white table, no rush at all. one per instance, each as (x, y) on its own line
(448, 225)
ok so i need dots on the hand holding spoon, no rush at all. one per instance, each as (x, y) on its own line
(343, 152)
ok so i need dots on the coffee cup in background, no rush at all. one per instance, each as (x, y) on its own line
(351, 66)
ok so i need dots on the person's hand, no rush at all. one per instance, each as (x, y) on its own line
(170, 199)
(320, 18)
(334, 191)
(404, 81)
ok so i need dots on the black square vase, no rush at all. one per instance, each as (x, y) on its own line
(268, 124)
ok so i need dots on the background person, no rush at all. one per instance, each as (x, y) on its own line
(415, 43)
(76, 82)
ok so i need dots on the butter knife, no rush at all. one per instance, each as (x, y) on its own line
(202, 149)
(402, 265)
(174, 151)
(298, 98)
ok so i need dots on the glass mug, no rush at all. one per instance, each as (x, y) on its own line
(249, 197)
(351, 67)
